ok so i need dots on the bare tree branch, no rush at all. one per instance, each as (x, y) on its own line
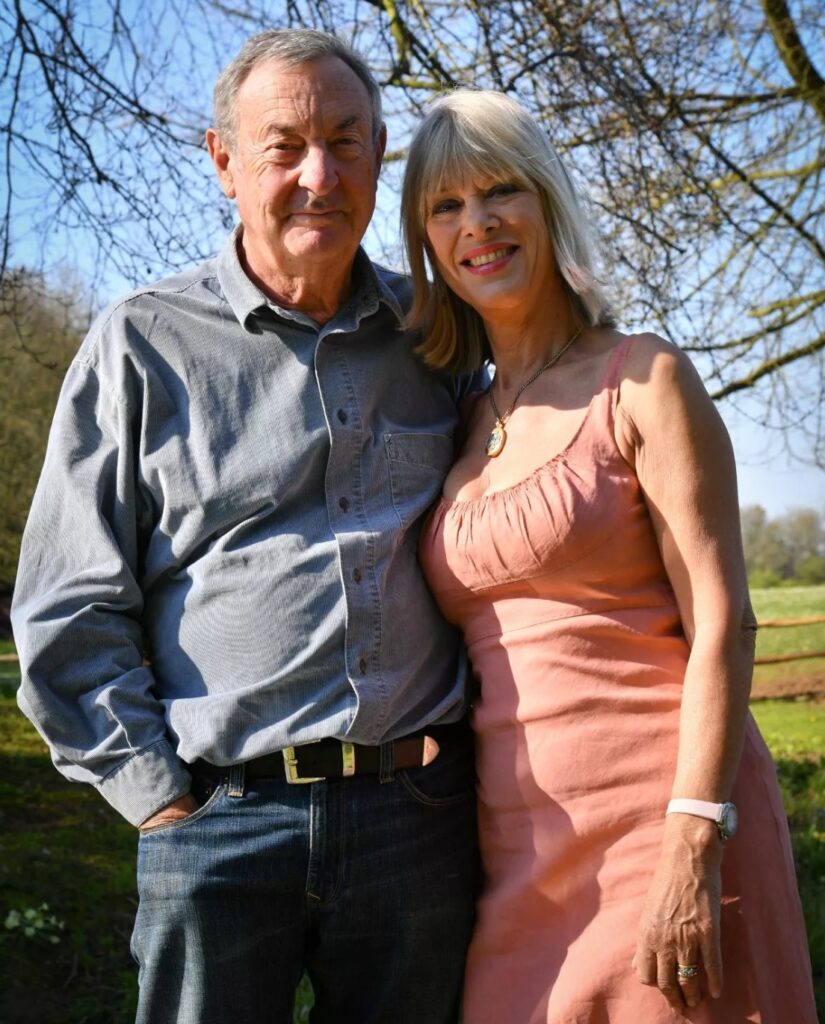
(794, 55)
(694, 126)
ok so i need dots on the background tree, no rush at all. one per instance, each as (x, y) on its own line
(40, 329)
(696, 126)
(789, 548)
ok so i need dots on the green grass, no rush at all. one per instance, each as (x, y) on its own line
(61, 845)
(802, 780)
(789, 603)
(792, 728)
(768, 603)
(795, 734)
(9, 673)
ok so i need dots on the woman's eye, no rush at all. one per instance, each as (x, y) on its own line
(444, 206)
(503, 189)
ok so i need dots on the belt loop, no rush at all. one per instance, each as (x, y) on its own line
(235, 786)
(386, 762)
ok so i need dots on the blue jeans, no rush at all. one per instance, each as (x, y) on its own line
(368, 885)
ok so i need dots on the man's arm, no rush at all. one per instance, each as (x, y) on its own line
(77, 605)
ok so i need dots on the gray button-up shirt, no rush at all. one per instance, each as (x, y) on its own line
(220, 559)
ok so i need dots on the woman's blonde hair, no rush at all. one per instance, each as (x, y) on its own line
(482, 136)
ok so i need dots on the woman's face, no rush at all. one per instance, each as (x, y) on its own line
(490, 244)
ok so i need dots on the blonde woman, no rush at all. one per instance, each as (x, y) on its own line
(587, 542)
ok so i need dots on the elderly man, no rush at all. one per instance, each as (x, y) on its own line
(220, 617)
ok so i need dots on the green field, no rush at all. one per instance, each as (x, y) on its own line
(62, 846)
(8, 669)
(792, 728)
(790, 603)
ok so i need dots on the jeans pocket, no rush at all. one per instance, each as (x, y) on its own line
(201, 812)
(447, 781)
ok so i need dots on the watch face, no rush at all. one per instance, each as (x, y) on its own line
(728, 820)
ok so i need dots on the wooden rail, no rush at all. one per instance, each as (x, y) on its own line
(768, 659)
(776, 659)
(773, 659)
(811, 620)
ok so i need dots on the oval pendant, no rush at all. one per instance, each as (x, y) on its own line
(496, 441)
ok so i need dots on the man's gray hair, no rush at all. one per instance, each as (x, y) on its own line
(288, 47)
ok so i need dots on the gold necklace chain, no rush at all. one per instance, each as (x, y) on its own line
(498, 435)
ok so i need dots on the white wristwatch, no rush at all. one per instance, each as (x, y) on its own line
(724, 815)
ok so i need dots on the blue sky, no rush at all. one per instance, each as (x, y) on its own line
(767, 475)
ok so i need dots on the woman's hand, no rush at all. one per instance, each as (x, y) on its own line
(680, 919)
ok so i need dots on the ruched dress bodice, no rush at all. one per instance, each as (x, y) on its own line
(577, 648)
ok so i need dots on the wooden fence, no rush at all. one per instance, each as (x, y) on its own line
(768, 659)
(774, 659)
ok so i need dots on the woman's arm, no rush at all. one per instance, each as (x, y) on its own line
(670, 431)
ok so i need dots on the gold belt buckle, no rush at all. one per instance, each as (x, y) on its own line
(291, 764)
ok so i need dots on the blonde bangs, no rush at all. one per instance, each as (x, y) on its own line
(474, 136)
(461, 149)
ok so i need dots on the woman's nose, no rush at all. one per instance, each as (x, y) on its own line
(478, 217)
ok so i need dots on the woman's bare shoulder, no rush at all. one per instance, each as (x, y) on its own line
(660, 393)
(655, 367)
(642, 349)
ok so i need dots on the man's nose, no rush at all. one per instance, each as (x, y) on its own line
(318, 174)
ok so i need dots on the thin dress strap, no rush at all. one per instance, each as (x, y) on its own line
(612, 380)
(613, 373)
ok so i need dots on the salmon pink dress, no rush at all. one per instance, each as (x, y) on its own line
(575, 639)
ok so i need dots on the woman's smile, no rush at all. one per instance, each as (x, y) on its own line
(489, 241)
(489, 258)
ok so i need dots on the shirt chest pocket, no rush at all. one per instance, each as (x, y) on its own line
(418, 464)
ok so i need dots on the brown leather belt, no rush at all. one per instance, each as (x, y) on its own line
(331, 759)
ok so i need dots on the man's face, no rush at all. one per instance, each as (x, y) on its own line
(303, 169)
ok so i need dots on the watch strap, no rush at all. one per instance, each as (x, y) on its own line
(699, 808)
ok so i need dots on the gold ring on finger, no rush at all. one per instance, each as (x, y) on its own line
(687, 970)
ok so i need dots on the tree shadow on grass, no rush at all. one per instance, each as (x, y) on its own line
(64, 847)
(802, 781)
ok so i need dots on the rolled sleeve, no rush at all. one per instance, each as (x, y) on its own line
(236, 491)
(146, 783)
(77, 607)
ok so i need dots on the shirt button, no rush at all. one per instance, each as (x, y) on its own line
(342, 416)
(344, 504)
(362, 665)
(356, 575)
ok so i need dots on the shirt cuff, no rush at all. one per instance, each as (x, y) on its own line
(146, 783)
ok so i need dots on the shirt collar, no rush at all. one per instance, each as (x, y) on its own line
(243, 296)
(246, 299)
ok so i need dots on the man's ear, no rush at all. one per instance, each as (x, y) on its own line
(222, 159)
(380, 146)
